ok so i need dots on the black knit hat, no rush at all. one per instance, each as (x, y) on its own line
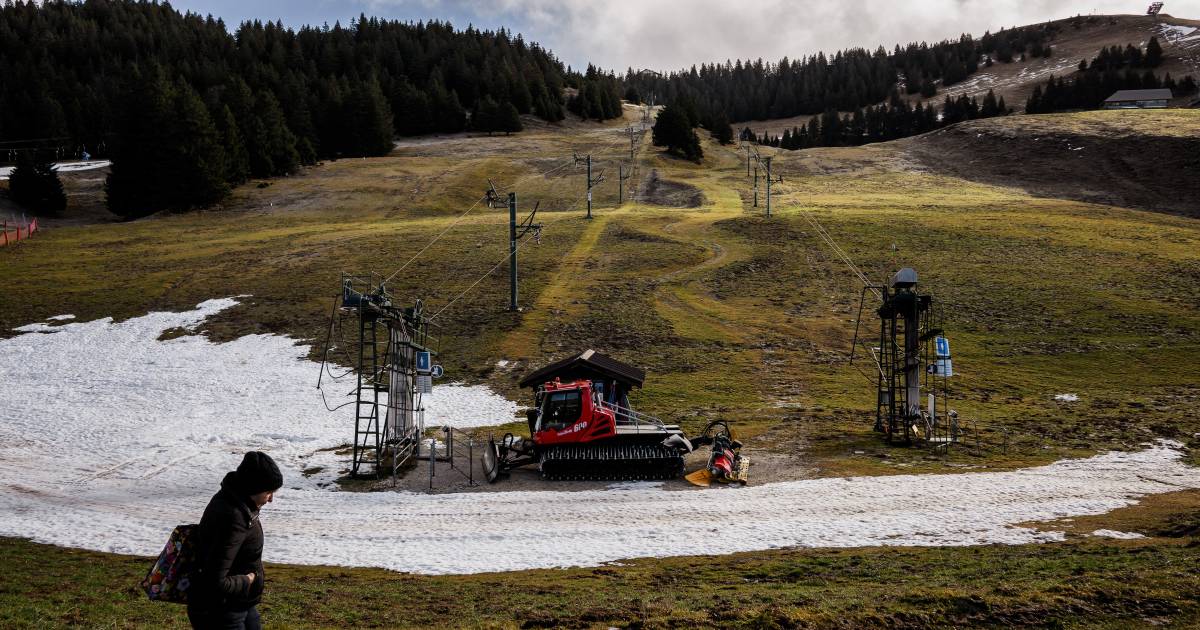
(258, 473)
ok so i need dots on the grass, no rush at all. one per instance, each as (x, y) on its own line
(734, 316)
(1085, 582)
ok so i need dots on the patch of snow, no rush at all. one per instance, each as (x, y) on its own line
(502, 363)
(110, 437)
(63, 167)
(1066, 397)
(60, 318)
(465, 406)
(1108, 533)
(1176, 31)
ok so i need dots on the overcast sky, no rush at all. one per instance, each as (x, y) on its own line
(670, 34)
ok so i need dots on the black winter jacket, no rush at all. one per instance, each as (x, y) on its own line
(229, 545)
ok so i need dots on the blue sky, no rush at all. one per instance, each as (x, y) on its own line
(670, 34)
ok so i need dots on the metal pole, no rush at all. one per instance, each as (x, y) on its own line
(755, 185)
(512, 251)
(747, 147)
(630, 143)
(768, 160)
(589, 190)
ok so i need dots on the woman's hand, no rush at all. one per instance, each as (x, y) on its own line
(251, 576)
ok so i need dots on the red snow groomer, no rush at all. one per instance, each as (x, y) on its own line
(582, 427)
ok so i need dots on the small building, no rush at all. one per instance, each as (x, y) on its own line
(1139, 99)
(611, 378)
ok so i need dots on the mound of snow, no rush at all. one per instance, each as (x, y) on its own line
(110, 437)
(1108, 533)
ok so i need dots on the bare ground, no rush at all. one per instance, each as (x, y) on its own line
(1157, 172)
(664, 192)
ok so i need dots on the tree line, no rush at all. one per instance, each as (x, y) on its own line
(1115, 68)
(845, 81)
(897, 118)
(186, 109)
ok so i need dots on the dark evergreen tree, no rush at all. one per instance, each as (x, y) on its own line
(485, 116)
(237, 159)
(372, 133)
(673, 130)
(170, 155)
(990, 106)
(34, 185)
(1154, 53)
(273, 144)
(928, 88)
(509, 120)
(722, 131)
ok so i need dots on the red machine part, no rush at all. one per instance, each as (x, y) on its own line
(572, 413)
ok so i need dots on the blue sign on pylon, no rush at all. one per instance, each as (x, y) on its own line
(943, 347)
(423, 363)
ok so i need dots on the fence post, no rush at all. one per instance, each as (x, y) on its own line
(6, 232)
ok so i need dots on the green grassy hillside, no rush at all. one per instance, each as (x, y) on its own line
(734, 316)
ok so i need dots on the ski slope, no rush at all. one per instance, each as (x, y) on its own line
(62, 167)
(109, 437)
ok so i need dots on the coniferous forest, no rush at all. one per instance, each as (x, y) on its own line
(845, 81)
(1115, 68)
(186, 109)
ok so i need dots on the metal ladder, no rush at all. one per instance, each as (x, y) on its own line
(367, 439)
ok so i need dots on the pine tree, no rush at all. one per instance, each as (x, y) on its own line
(34, 185)
(485, 116)
(411, 110)
(199, 167)
(276, 143)
(508, 119)
(1154, 53)
(990, 106)
(722, 130)
(673, 130)
(370, 121)
(237, 160)
(170, 154)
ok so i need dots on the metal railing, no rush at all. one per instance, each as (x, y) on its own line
(630, 416)
(455, 444)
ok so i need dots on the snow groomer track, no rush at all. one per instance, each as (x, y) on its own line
(109, 437)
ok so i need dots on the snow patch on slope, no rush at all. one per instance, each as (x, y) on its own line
(110, 437)
(61, 167)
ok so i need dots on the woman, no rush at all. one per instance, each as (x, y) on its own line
(229, 581)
